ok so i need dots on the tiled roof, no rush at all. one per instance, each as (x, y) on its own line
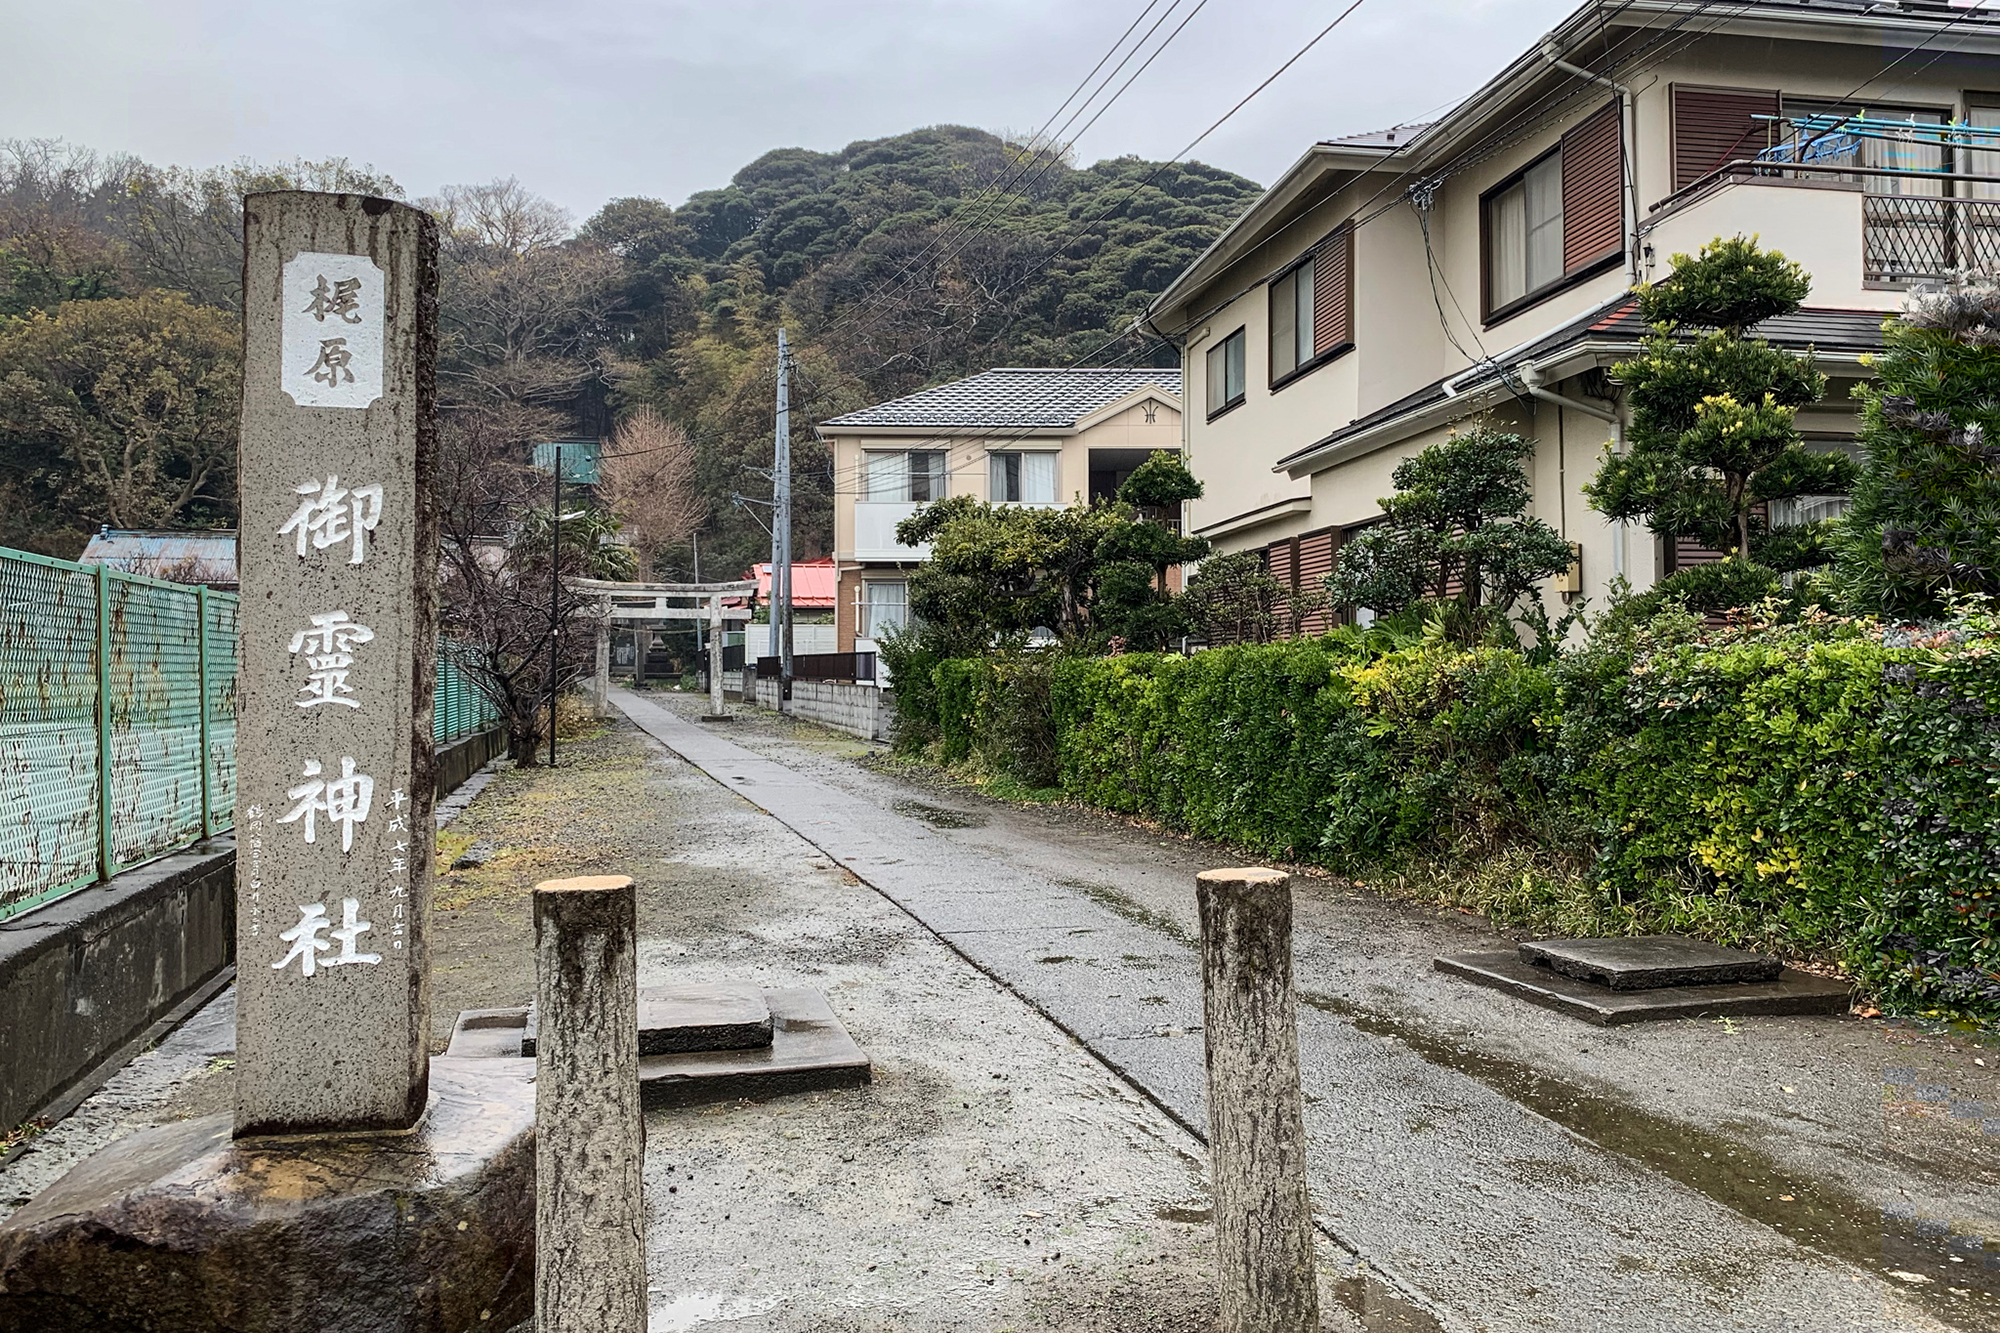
(1617, 320)
(1393, 137)
(1014, 399)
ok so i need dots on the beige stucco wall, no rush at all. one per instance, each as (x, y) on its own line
(1402, 344)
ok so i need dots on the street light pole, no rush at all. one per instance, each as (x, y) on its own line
(555, 600)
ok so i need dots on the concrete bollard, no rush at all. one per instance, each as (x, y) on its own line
(1256, 1113)
(590, 1219)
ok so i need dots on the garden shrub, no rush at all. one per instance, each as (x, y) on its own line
(1822, 788)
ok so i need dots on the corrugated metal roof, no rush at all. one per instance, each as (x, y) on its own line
(813, 583)
(1014, 398)
(205, 556)
(1614, 321)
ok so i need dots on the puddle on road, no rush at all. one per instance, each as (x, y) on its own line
(1818, 1214)
(938, 816)
(1137, 913)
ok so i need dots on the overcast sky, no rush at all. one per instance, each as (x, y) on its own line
(588, 100)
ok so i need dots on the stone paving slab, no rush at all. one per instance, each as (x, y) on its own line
(1792, 993)
(1647, 962)
(809, 1051)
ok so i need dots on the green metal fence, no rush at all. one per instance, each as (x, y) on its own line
(457, 709)
(118, 722)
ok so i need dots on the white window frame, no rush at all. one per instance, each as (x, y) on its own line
(1008, 475)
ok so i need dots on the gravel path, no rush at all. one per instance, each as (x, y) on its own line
(995, 1176)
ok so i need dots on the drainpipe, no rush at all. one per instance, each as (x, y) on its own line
(1628, 158)
(1530, 376)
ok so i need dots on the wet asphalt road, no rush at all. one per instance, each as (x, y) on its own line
(1514, 1169)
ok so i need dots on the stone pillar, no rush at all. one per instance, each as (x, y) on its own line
(590, 1220)
(1256, 1117)
(716, 707)
(641, 640)
(601, 691)
(338, 558)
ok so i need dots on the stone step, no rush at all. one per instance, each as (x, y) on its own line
(1789, 992)
(720, 1016)
(808, 1050)
(1650, 962)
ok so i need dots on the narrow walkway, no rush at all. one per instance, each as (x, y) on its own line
(1482, 1189)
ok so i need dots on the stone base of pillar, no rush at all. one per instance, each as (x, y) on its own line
(182, 1229)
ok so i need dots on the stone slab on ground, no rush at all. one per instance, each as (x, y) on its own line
(1792, 993)
(1650, 962)
(809, 1051)
(723, 1016)
(182, 1229)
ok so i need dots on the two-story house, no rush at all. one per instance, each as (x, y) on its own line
(1394, 285)
(1014, 436)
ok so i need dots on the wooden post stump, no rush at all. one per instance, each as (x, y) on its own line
(1256, 1114)
(590, 1222)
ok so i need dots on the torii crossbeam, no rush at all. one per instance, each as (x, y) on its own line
(645, 606)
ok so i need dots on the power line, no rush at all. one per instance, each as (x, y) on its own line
(962, 221)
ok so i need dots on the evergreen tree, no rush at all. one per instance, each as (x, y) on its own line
(1926, 518)
(1454, 536)
(1714, 437)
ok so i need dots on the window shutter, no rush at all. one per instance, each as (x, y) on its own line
(1316, 555)
(1593, 190)
(1717, 125)
(1333, 292)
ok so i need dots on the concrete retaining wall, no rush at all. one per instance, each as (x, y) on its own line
(85, 978)
(467, 755)
(858, 710)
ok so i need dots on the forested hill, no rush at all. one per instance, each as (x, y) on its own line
(893, 263)
(897, 263)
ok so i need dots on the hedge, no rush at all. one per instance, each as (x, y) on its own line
(1825, 790)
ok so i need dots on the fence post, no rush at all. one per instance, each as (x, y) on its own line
(104, 861)
(590, 1221)
(201, 675)
(1256, 1116)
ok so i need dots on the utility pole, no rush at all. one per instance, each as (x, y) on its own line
(781, 532)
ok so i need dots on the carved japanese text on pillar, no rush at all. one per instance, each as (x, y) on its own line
(333, 330)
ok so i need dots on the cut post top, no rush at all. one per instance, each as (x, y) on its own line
(585, 884)
(1248, 876)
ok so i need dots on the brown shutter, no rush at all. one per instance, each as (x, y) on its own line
(1717, 125)
(1315, 563)
(1333, 292)
(1593, 168)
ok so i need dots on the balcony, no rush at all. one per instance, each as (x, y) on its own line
(875, 531)
(1913, 238)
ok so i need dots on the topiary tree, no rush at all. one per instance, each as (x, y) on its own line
(1925, 525)
(1454, 535)
(1086, 573)
(1714, 440)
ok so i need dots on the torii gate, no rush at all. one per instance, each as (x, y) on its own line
(648, 605)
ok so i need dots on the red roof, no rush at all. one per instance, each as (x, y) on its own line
(812, 584)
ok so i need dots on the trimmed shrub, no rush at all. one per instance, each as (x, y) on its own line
(1822, 789)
